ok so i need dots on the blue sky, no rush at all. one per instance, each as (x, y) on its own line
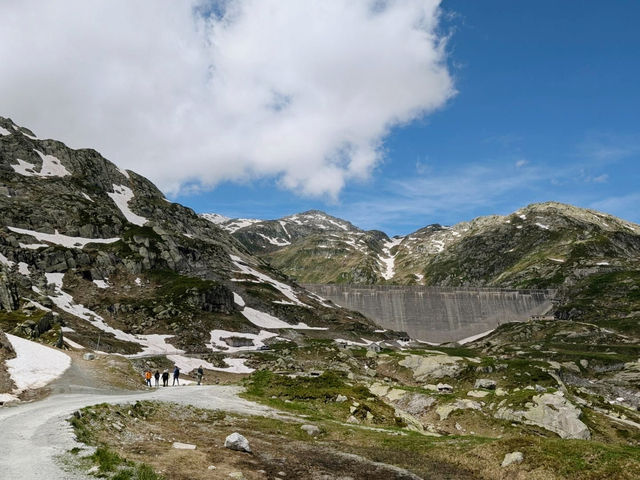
(547, 108)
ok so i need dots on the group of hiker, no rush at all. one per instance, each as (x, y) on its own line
(165, 376)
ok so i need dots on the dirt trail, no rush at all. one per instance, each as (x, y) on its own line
(34, 434)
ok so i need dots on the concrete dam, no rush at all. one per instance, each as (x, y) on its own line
(438, 314)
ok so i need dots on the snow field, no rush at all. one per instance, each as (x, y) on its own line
(35, 365)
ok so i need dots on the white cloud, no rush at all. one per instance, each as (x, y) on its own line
(301, 91)
(521, 163)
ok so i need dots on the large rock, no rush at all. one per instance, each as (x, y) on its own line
(444, 411)
(434, 366)
(513, 457)
(485, 383)
(235, 441)
(552, 412)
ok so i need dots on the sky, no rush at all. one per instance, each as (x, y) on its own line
(391, 114)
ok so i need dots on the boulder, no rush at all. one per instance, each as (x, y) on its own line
(433, 366)
(183, 446)
(341, 398)
(235, 441)
(444, 411)
(444, 388)
(552, 412)
(485, 383)
(513, 457)
(89, 356)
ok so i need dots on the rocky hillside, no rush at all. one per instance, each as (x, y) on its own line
(542, 245)
(99, 254)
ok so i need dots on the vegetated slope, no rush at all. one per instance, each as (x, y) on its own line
(100, 250)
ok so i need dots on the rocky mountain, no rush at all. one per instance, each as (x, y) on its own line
(542, 245)
(100, 251)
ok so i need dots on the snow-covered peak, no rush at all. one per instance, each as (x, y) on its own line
(215, 218)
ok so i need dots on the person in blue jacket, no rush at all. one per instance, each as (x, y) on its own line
(176, 375)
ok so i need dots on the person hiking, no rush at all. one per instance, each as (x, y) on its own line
(200, 374)
(147, 377)
(165, 378)
(157, 377)
(176, 375)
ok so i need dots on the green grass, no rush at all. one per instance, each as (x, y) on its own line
(315, 396)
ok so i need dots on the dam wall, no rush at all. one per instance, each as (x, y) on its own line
(438, 314)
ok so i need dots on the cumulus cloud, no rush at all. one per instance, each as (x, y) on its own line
(193, 93)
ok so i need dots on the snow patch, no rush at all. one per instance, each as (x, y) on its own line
(217, 343)
(559, 260)
(389, 260)
(4, 131)
(35, 365)
(473, 338)
(600, 264)
(5, 261)
(73, 344)
(33, 246)
(59, 239)
(138, 282)
(51, 166)
(238, 300)
(121, 196)
(23, 269)
(264, 320)
(285, 289)
(101, 284)
(275, 241)
(544, 227)
(87, 197)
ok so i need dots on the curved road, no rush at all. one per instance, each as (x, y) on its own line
(34, 434)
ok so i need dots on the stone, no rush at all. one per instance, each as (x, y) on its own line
(513, 457)
(477, 393)
(415, 403)
(584, 363)
(485, 383)
(444, 411)
(444, 388)
(235, 441)
(433, 366)
(184, 446)
(89, 356)
(552, 412)
(312, 430)
(353, 420)
(501, 392)
(341, 398)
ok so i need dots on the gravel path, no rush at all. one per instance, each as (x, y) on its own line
(34, 434)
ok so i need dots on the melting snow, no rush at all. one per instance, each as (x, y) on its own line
(138, 281)
(101, 284)
(87, 197)
(121, 197)
(238, 299)
(389, 260)
(33, 246)
(559, 260)
(35, 365)
(51, 167)
(545, 227)
(5, 261)
(275, 241)
(602, 263)
(475, 337)
(264, 320)
(4, 131)
(73, 344)
(59, 239)
(23, 268)
(285, 289)
(217, 343)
